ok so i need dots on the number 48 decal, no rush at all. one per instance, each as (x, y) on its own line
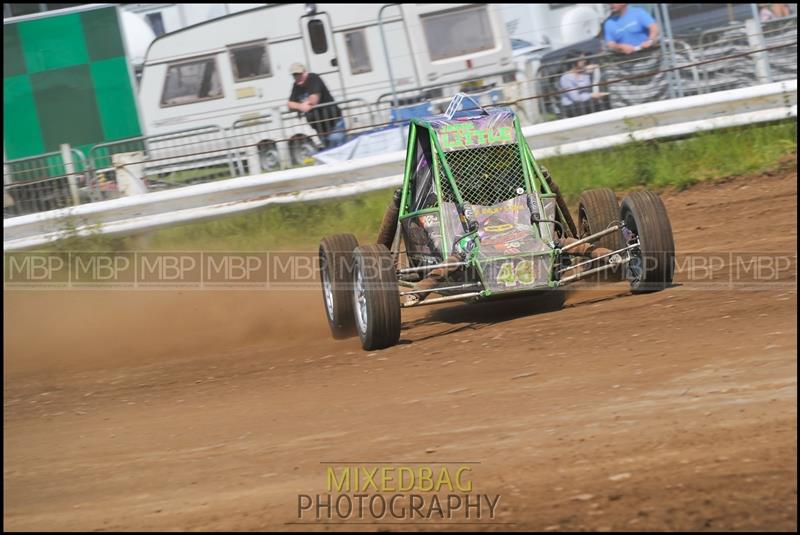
(521, 274)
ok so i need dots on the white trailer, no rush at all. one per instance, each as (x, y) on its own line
(233, 72)
(236, 68)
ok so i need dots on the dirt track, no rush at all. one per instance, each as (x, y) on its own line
(213, 410)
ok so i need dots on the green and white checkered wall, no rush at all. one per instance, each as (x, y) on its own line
(66, 80)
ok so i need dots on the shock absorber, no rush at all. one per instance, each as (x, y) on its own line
(389, 223)
(562, 205)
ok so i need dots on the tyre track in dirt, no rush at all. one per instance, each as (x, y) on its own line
(213, 410)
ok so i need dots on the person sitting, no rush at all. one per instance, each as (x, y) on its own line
(629, 29)
(579, 98)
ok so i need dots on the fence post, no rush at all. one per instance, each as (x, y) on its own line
(227, 141)
(283, 148)
(669, 41)
(129, 168)
(530, 82)
(252, 156)
(755, 38)
(69, 167)
(386, 52)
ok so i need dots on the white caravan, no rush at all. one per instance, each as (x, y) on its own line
(236, 68)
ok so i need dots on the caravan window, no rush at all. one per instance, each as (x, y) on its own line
(316, 32)
(250, 61)
(458, 32)
(357, 52)
(190, 82)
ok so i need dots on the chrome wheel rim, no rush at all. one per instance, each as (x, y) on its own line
(327, 289)
(360, 302)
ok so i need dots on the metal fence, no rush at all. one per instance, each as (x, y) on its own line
(170, 160)
(717, 59)
(720, 59)
(776, 65)
(284, 139)
(46, 182)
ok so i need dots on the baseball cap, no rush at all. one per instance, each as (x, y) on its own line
(297, 68)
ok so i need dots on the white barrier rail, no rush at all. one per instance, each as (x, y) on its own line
(657, 120)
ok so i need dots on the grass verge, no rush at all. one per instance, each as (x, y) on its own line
(655, 164)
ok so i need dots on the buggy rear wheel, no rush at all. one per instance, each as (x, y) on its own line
(376, 297)
(652, 264)
(336, 272)
(597, 209)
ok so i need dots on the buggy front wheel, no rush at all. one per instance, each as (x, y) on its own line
(336, 272)
(652, 264)
(376, 297)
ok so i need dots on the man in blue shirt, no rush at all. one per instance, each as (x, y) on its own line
(629, 29)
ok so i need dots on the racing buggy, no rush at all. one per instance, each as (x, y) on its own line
(477, 218)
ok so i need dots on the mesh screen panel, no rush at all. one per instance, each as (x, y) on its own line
(485, 175)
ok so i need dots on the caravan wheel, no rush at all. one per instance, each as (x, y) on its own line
(268, 156)
(301, 149)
